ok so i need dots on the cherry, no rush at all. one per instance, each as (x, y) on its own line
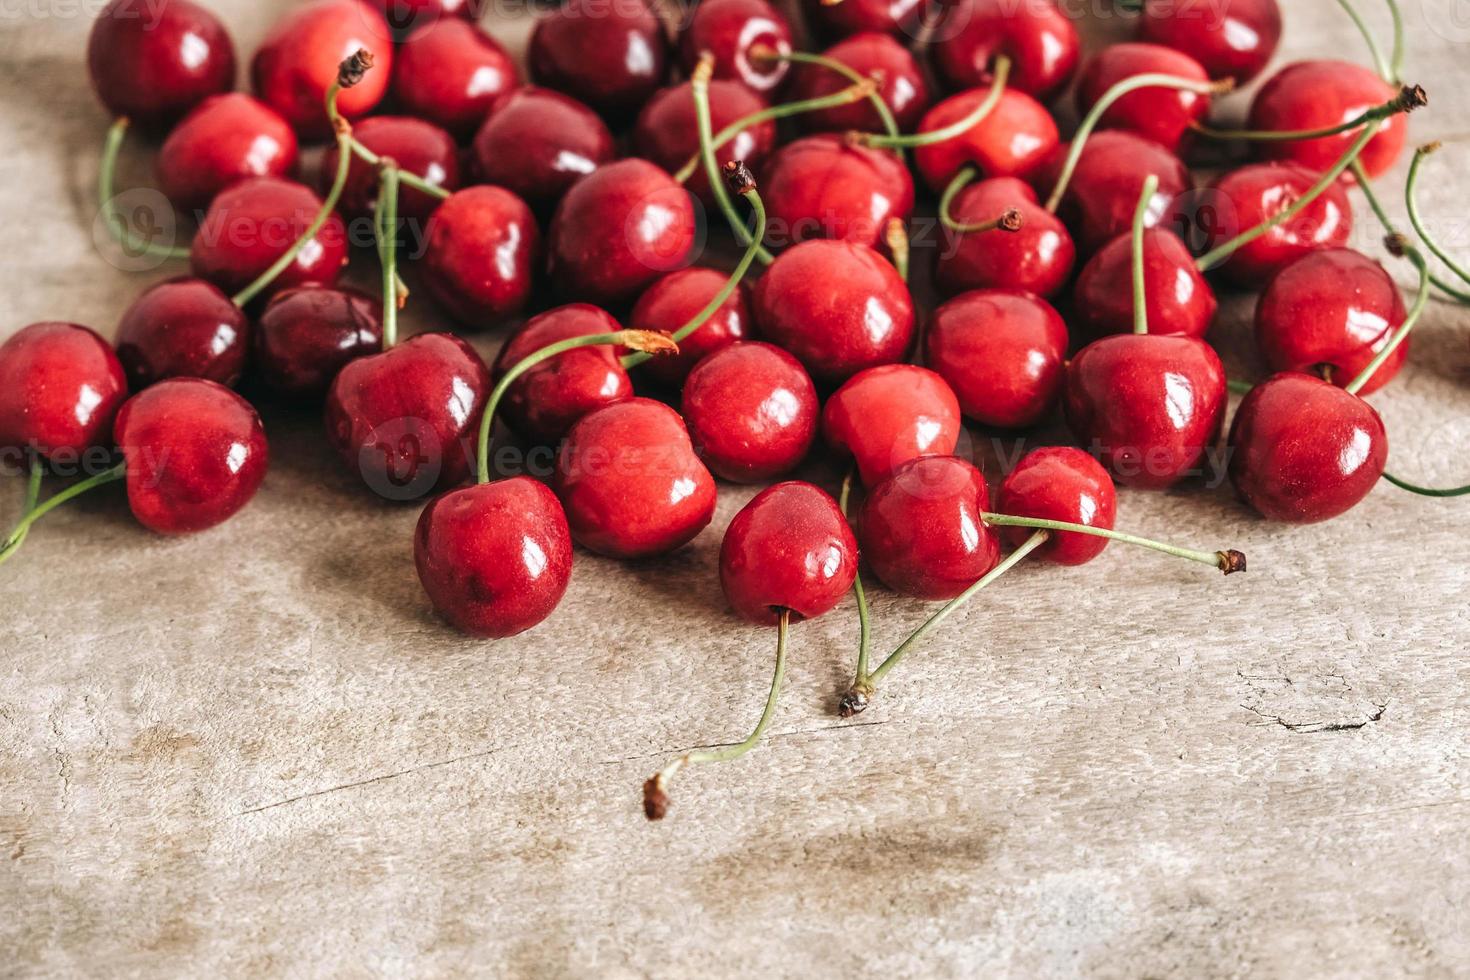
(401, 419)
(852, 17)
(837, 306)
(1164, 115)
(255, 222)
(1308, 95)
(60, 386)
(728, 29)
(545, 401)
(752, 411)
(1003, 352)
(404, 16)
(673, 301)
(1253, 194)
(617, 230)
(887, 415)
(154, 63)
(1234, 41)
(1013, 140)
(1038, 38)
(306, 335)
(225, 139)
(537, 143)
(494, 558)
(416, 147)
(1334, 308)
(667, 133)
(195, 454)
(481, 249)
(1060, 483)
(299, 58)
(1036, 257)
(610, 56)
(451, 73)
(630, 481)
(1099, 200)
(901, 85)
(827, 187)
(183, 328)
(1180, 301)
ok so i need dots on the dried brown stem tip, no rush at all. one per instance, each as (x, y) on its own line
(738, 177)
(649, 342)
(854, 702)
(350, 71)
(1412, 97)
(1232, 561)
(1224, 86)
(704, 70)
(762, 53)
(1397, 244)
(655, 799)
(1011, 220)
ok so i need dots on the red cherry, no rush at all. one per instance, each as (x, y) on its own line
(306, 335)
(1003, 352)
(182, 328)
(404, 419)
(676, 299)
(481, 249)
(631, 483)
(154, 63)
(1162, 114)
(1303, 450)
(1103, 194)
(1150, 407)
(1012, 141)
(298, 60)
(1038, 258)
(1180, 301)
(1317, 94)
(788, 549)
(827, 187)
(900, 17)
(255, 222)
(618, 230)
(494, 558)
(451, 73)
(752, 412)
(885, 416)
(610, 56)
(60, 386)
(728, 29)
(224, 140)
(878, 56)
(1336, 308)
(404, 16)
(195, 452)
(922, 532)
(1244, 198)
(1235, 41)
(837, 306)
(545, 401)
(1060, 483)
(415, 146)
(1039, 39)
(537, 143)
(667, 134)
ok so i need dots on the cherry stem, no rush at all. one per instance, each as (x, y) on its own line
(959, 127)
(35, 512)
(1140, 290)
(656, 789)
(1366, 186)
(1009, 220)
(1227, 561)
(1385, 70)
(1112, 95)
(33, 494)
(1425, 491)
(1408, 99)
(386, 221)
(896, 237)
(405, 177)
(115, 222)
(1398, 246)
(764, 52)
(645, 340)
(856, 698)
(699, 83)
(1239, 387)
(1411, 187)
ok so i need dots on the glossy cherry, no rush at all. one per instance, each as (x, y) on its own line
(877, 56)
(1060, 483)
(1180, 301)
(182, 327)
(1003, 352)
(1016, 138)
(1100, 199)
(415, 146)
(1040, 40)
(789, 549)
(195, 452)
(631, 483)
(885, 416)
(298, 60)
(1037, 258)
(306, 335)
(1234, 40)
(1162, 114)
(827, 187)
(673, 301)
(405, 16)
(494, 558)
(728, 29)
(1317, 94)
(252, 224)
(482, 246)
(1246, 197)
(898, 17)
(154, 62)
(545, 401)
(752, 412)
(451, 73)
(60, 386)
(667, 134)
(537, 143)
(612, 56)
(224, 140)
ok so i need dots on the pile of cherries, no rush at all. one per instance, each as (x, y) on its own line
(1076, 276)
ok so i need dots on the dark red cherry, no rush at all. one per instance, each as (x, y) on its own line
(494, 558)
(1100, 200)
(1233, 40)
(922, 532)
(404, 419)
(1180, 301)
(631, 483)
(618, 230)
(1303, 450)
(1244, 198)
(1060, 483)
(1148, 407)
(182, 328)
(827, 187)
(60, 386)
(195, 452)
(673, 301)
(481, 249)
(612, 56)
(1003, 352)
(536, 143)
(728, 29)
(788, 549)
(752, 412)
(545, 401)
(155, 62)
(1039, 39)
(666, 132)
(898, 17)
(1162, 114)
(255, 222)
(837, 306)
(404, 16)
(1012, 141)
(1335, 308)
(306, 335)
(224, 140)
(298, 60)
(451, 73)
(885, 416)
(416, 147)
(879, 57)
(1317, 94)
(1038, 258)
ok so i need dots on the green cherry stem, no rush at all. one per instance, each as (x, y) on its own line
(1365, 184)
(1140, 290)
(1396, 61)
(1409, 98)
(1239, 387)
(1411, 187)
(407, 179)
(1009, 220)
(1425, 491)
(764, 52)
(699, 82)
(33, 494)
(106, 173)
(1401, 247)
(386, 220)
(1000, 76)
(37, 511)
(1227, 561)
(896, 237)
(1380, 64)
(856, 698)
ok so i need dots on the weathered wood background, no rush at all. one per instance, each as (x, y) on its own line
(255, 751)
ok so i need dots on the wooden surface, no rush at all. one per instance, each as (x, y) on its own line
(255, 751)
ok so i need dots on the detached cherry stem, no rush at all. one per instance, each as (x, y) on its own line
(1140, 289)
(856, 698)
(34, 511)
(1399, 246)
(699, 83)
(1009, 220)
(959, 127)
(766, 53)
(116, 225)
(1410, 97)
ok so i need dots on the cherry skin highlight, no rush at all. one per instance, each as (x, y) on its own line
(826, 187)
(480, 255)
(885, 416)
(1316, 94)
(1014, 140)
(667, 132)
(1162, 114)
(154, 64)
(1235, 41)
(536, 143)
(788, 549)
(610, 56)
(1180, 301)
(1103, 194)
(416, 147)
(451, 73)
(1040, 40)
(545, 401)
(182, 328)
(60, 386)
(495, 558)
(877, 56)
(1038, 258)
(226, 139)
(1244, 198)
(255, 222)
(896, 17)
(729, 29)
(673, 301)
(306, 335)
(752, 411)
(1060, 483)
